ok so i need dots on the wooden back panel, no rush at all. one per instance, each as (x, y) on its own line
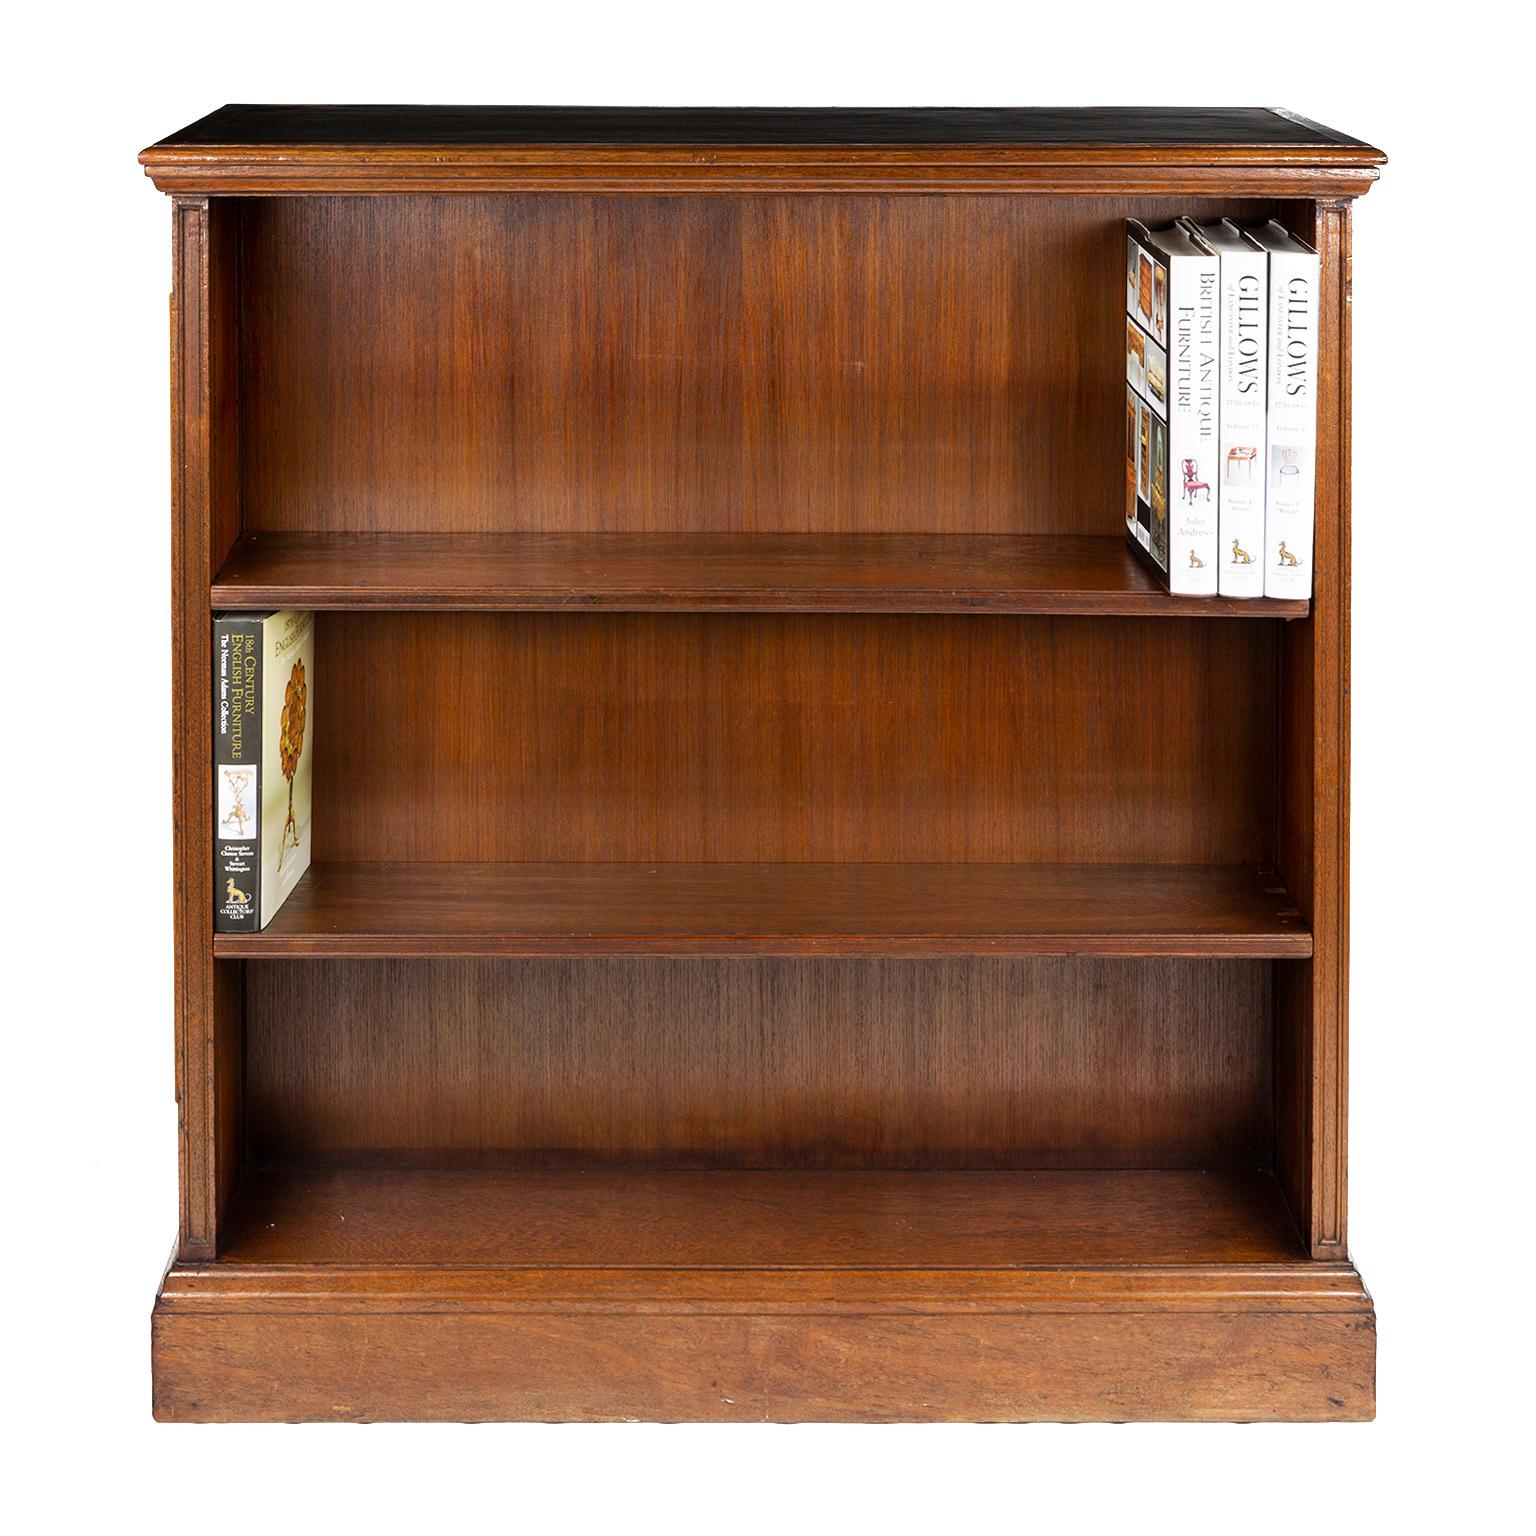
(761, 1063)
(885, 738)
(828, 363)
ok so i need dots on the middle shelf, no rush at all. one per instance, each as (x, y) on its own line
(689, 572)
(385, 910)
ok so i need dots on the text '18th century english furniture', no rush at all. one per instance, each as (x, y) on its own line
(801, 925)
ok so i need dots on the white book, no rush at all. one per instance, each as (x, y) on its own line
(1294, 282)
(1173, 308)
(1244, 395)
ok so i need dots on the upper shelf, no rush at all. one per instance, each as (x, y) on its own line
(746, 572)
(252, 149)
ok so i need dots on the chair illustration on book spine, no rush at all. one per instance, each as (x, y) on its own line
(1193, 482)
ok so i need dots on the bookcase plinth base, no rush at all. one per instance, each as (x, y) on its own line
(1257, 1342)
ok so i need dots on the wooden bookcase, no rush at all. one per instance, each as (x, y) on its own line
(801, 927)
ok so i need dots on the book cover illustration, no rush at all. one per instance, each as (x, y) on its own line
(263, 666)
(1172, 344)
(1243, 407)
(1291, 459)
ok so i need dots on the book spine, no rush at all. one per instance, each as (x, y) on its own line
(237, 648)
(1146, 399)
(1244, 405)
(1191, 484)
(1138, 433)
(1292, 449)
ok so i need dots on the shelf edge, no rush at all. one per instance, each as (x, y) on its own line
(681, 600)
(266, 946)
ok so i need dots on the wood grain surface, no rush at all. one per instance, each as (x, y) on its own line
(767, 1368)
(793, 738)
(750, 573)
(223, 1286)
(592, 1064)
(378, 910)
(204, 333)
(1313, 799)
(672, 1219)
(654, 364)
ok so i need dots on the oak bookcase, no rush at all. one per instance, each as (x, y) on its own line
(801, 926)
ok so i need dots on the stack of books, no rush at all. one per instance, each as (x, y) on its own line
(1221, 406)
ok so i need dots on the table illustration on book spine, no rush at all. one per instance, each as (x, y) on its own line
(236, 782)
(1144, 466)
(1135, 355)
(1131, 457)
(1157, 374)
(1159, 488)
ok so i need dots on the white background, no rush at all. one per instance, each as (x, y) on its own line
(1444, 653)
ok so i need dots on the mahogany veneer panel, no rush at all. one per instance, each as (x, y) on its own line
(733, 364)
(1290, 1341)
(793, 738)
(205, 484)
(380, 910)
(760, 1063)
(765, 1365)
(863, 573)
(633, 1219)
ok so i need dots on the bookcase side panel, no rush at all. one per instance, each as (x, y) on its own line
(205, 520)
(1313, 829)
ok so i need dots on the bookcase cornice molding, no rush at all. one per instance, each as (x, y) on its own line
(275, 151)
(269, 171)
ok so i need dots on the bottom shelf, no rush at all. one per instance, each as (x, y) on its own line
(771, 1220)
(766, 1296)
